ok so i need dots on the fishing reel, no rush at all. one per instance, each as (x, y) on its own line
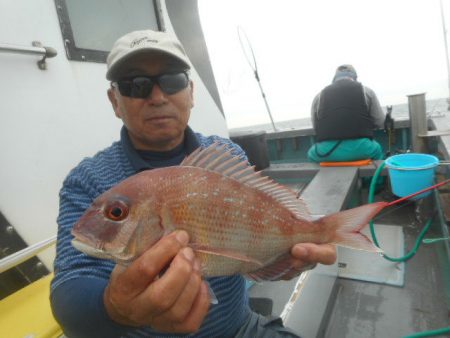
(389, 130)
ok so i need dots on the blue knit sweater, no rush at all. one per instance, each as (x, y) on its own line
(79, 282)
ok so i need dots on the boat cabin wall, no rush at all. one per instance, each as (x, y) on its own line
(53, 118)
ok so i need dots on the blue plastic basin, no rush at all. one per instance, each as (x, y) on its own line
(411, 172)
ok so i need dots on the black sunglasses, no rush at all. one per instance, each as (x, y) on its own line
(141, 86)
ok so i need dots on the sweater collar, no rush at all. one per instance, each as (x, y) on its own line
(190, 143)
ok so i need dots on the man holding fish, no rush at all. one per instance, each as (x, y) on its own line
(177, 272)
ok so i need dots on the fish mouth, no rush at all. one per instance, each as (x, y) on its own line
(89, 250)
(118, 257)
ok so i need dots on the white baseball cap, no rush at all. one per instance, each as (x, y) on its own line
(143, 41)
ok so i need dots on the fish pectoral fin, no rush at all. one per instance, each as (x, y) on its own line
(224, 253)
(166, 220)
(212, 296)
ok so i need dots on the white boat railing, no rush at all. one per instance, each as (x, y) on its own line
(25, 254)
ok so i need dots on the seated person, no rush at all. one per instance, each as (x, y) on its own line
(344, 115)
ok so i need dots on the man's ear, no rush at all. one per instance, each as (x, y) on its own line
(191, 92)
(114, 103)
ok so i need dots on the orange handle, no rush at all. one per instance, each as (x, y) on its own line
(346, 164)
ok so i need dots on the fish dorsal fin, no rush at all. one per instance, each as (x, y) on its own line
(218, 158)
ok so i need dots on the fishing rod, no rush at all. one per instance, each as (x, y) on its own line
(389, 129)
(254, 67)
(444, 29)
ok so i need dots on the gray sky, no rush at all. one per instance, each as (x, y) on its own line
(396, 46)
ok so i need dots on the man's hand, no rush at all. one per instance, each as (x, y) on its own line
(305, 256)
(175, 302)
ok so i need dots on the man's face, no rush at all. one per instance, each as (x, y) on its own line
(157, 122)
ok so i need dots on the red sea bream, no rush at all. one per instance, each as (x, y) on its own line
(239, 221)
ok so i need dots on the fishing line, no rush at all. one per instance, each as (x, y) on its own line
(391, 210)
(252, 63)
(408, 200)
(419, 192)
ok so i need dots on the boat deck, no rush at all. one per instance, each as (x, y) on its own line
(358, 308)
(354, 308)
(371, 310)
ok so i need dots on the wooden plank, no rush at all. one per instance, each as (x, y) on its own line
(292, 170)
(330, 189)
(434, 133)
(309, 169)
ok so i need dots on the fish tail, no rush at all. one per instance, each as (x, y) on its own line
(349, 223)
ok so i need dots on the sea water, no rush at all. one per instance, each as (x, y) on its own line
(434, 108)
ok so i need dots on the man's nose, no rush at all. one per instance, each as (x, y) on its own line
(156, 95)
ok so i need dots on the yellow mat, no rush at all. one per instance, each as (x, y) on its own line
(27, 313)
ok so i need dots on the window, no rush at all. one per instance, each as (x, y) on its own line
(90, 27)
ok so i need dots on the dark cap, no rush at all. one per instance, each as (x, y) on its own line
(345, 71)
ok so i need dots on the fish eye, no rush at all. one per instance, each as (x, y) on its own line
(116, 211)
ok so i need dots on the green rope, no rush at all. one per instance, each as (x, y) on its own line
(432, 333)
(413, 251)
(434, 240)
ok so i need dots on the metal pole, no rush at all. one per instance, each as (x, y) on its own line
(444, 29)
(36, 49)
(24, 254)
(418, 120)
(44, 51)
